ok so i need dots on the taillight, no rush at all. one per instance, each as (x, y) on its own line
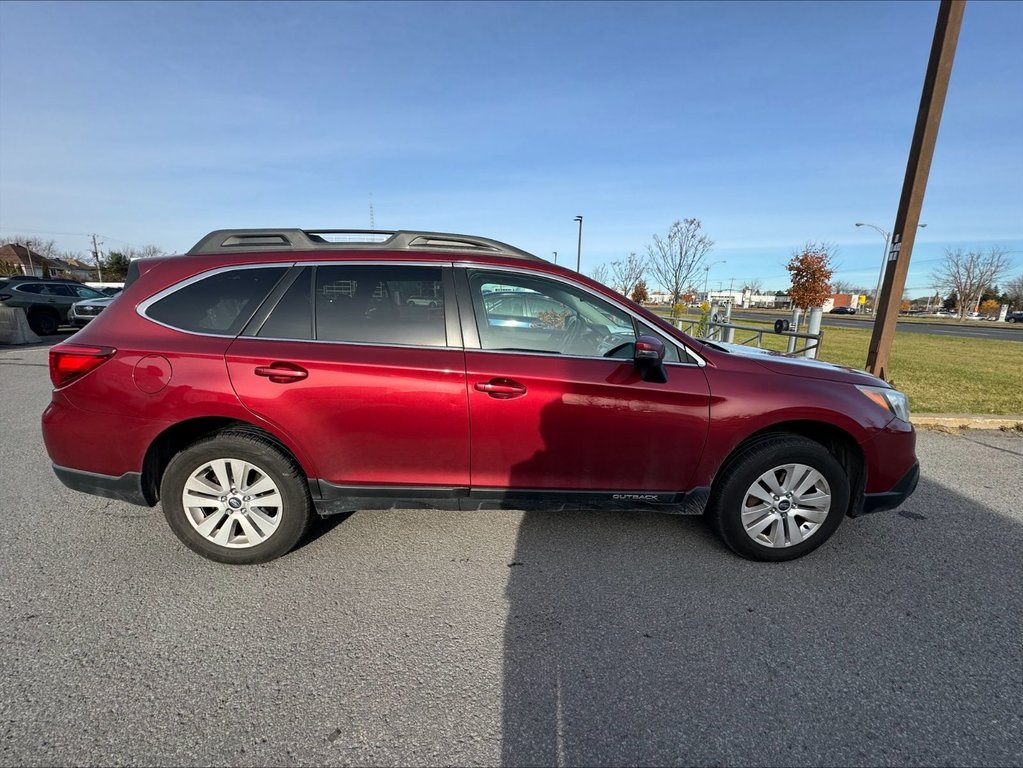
(72, 362)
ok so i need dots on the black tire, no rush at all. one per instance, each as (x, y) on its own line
(43, 322)
(743, 470)
(295, 511)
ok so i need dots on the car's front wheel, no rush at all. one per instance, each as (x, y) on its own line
(779, 498)
(236, 497)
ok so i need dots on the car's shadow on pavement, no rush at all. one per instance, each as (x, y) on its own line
(320, 527)
(633, 640)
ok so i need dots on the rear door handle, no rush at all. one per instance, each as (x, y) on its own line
(282, 373)
(500, 389)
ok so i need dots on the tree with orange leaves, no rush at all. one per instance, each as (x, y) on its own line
(811, 274)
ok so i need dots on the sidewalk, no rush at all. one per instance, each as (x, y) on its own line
(964, 421)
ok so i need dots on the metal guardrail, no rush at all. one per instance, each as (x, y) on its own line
(725, 332)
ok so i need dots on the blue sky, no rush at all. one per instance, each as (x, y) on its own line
(774, 124)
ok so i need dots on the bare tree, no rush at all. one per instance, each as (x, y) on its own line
(969, 274)
(147, 252)
(841, 286)
(45, 248)
(627, 273)
(675, 260)
(1014, 292)
(754, 286)
(600, 274)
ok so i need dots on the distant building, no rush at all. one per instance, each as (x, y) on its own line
(74, 269)
(842, 300)
(782, 300)
(16, 259)
(19, 260)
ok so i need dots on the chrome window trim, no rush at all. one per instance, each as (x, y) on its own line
(559, 356)
(683, 348)
(352, 343)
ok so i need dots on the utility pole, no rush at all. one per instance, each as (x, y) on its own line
(579, 246)
(95, 255)
(921, 152)
(31, 266)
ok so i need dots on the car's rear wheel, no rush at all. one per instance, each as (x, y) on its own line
(779, 498)
(236, 497)
(43, 322)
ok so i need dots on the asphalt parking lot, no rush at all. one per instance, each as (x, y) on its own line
(424, 638)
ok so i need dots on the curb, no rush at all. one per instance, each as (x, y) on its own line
(964, 421)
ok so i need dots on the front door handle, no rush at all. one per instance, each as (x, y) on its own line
(282, 373)
(501, 389)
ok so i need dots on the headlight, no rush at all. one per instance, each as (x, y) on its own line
(890, 399)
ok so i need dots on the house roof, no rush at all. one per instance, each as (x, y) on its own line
(15, 253)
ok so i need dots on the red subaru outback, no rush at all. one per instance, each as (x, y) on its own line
(269, 375)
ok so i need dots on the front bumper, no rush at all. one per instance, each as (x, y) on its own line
(879, 502)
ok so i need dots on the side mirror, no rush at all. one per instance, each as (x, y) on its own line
(649, 359)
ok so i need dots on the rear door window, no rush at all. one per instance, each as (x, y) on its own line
(219, 304)
(84, 292)
(379, 304)
(56, 289)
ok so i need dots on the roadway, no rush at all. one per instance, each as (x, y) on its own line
(997, 331)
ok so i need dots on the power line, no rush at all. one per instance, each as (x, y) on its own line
(65, 234)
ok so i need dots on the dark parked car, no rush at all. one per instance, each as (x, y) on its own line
(46, 301)
(842, 311)
(270, 374)
(82, 312)
(1014, 317)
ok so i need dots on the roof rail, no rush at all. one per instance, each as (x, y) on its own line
(224, 240)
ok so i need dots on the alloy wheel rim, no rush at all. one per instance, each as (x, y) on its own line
(786, 505)
(232, 503)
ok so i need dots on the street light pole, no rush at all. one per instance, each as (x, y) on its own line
(579, 245)
(706, 274)
(884, 258)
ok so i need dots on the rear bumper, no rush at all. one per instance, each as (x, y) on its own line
(127, 487)
(878, 502)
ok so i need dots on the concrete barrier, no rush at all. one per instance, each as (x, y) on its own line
(14, 327)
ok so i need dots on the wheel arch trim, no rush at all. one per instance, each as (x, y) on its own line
(178, 436)
(838, 442)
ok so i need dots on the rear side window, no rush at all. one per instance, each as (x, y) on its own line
(220, 304)
(379, 304)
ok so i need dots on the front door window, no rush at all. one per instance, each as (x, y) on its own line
(526, 314)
